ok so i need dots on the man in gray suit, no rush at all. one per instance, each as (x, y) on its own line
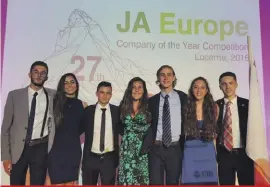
(28, 129)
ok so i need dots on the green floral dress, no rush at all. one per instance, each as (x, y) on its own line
(133, 167)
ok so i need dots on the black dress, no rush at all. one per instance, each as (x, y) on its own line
(65, 155)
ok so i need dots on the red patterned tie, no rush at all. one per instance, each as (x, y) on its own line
(228, 139)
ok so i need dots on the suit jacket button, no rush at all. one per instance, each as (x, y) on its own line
(23, 140)
(25, 128)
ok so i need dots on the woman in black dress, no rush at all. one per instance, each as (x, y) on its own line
(65, 155)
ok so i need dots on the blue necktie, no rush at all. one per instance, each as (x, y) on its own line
(166, 121)
(31, 119)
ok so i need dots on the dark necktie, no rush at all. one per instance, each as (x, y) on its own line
(102, 131)
(31, 119)
(166, 121)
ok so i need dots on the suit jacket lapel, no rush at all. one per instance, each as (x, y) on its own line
(241, 114)
(50, 95)
(92, 120)
(221, 110)
(181, 104)
(157, 101)
(25, 106)
(220, 121)
(113, 119)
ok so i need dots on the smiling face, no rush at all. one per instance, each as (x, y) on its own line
(199, 89)
(137, 90)
(228, 86)
(70, 86)
(104, 95)
(166, 78)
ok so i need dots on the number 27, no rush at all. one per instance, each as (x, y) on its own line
(80, 59)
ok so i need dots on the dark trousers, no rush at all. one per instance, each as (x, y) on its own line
(95, 165)
(233, 162)
(35, 157)
(165, 163)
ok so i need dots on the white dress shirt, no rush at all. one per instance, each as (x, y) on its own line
(235, 122)
(108, 144)
(39, 113)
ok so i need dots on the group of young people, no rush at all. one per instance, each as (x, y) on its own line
(170, 138)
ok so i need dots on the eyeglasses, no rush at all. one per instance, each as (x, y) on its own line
(42, 74)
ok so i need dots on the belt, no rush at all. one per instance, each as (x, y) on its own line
(237, 150)
(101, 155)
(38, 141)
(159, 142)
(234, 150)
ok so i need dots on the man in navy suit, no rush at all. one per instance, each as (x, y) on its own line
(231, 142)
(166, 142)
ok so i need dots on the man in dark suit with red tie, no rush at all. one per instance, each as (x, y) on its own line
(101, 147)
(231, 142)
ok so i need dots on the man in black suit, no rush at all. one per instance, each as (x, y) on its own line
(231, 142)
(166, 142)
(101, 148)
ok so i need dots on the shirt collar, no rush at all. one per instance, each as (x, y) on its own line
(31, 91)
(163, 94)
(100, 107)
(233, 101)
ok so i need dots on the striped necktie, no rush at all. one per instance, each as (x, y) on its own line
(166, 121)
(228, 138)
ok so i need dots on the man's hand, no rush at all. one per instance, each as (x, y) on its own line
(7, 166)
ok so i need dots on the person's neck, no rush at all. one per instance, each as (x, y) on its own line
(199, 109)
(167, 90)
(103, 105)
(136, 104)
(199, 103)
(70, 96)
(36, 88)
(230, 98)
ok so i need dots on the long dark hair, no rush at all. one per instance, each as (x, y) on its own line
(209, 114)
(60, 98)
(126, 105)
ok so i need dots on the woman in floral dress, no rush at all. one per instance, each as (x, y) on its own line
(133, 167)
